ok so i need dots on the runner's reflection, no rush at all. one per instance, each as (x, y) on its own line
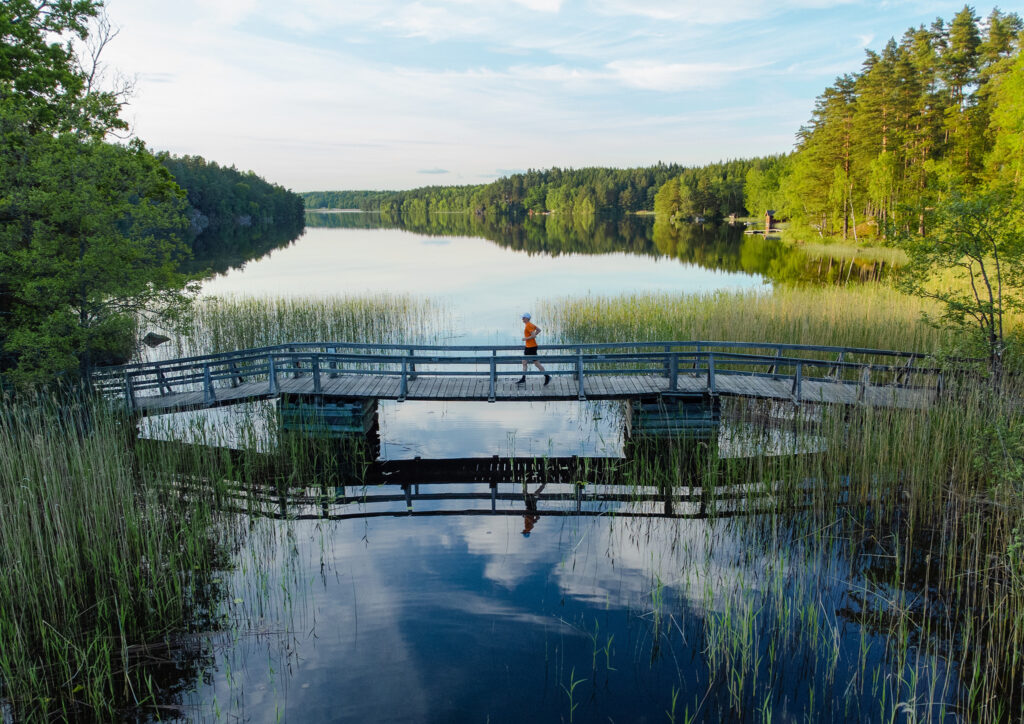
(530, 518)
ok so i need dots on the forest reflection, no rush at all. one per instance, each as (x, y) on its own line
(721, 246)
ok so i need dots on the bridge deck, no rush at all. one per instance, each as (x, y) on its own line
(563, 387)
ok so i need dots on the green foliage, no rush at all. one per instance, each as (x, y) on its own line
(223, 199)
(938, 108)
(581, 192)
(87, 228)
(364, 200)
(970, 262)
(92, 244)
(100, 560)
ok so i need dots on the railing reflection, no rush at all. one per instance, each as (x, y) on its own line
(534, 496)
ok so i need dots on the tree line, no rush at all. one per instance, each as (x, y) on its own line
(94, 232)
(222, 200)
(581, 192)
(939, 111)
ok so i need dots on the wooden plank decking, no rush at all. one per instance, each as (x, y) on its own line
(563, 387)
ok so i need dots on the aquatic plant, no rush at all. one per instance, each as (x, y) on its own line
(876, 317)
(101, 568)
(223, 324)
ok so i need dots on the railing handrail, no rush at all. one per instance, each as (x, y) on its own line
(665, 347)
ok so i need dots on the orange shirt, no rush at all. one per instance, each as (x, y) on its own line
(530, 329)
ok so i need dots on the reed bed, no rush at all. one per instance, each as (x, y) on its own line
(223, 324)
(910, 524)
(910, 527)
(101, 568)
(856, 316)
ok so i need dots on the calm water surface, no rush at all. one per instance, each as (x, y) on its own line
(457, 608)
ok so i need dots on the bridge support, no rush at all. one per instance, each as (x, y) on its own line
(311, 415)
(674, 416)
(671, 438)
(337, 438)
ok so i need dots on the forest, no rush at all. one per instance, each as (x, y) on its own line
(96, 233)
(939, 111)
(223, 201)
(580, 192)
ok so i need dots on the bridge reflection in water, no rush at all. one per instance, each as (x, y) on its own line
(531, 488)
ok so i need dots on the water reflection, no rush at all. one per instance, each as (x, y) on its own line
(220, 252)
(450, 430)
(719, 247)
(457, 616)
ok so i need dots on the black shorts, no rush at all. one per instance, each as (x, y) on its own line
(530, 351)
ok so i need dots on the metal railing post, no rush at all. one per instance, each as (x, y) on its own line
(834, 371)
(865, 377)
(208, 397)
(579, 374)
(333, 364)
(494, 375)
(163, 381)
(403, 387)
(129, 393)
(903, 374)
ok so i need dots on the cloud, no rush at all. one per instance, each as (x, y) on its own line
(723, 12)
(671, 77)
(436, 23)
(543, 6)
(433, 170)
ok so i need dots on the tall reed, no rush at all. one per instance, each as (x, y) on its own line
(100, 564)
(916, 515)
(859, 316)
(230, 323)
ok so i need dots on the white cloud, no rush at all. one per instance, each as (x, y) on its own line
(708, 13)
(671, 77)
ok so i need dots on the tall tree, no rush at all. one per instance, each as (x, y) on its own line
(87, 228)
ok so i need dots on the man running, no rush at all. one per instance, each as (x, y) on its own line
(530, 339)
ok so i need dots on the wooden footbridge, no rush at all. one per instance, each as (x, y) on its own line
(344, 372)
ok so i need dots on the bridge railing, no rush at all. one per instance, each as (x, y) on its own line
(269, 368)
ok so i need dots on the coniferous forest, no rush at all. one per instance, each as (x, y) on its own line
(940, 109)
(937, 111)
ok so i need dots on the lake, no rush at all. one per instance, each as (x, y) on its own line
(455, 597)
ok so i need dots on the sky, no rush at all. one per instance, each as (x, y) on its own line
(389, 94)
